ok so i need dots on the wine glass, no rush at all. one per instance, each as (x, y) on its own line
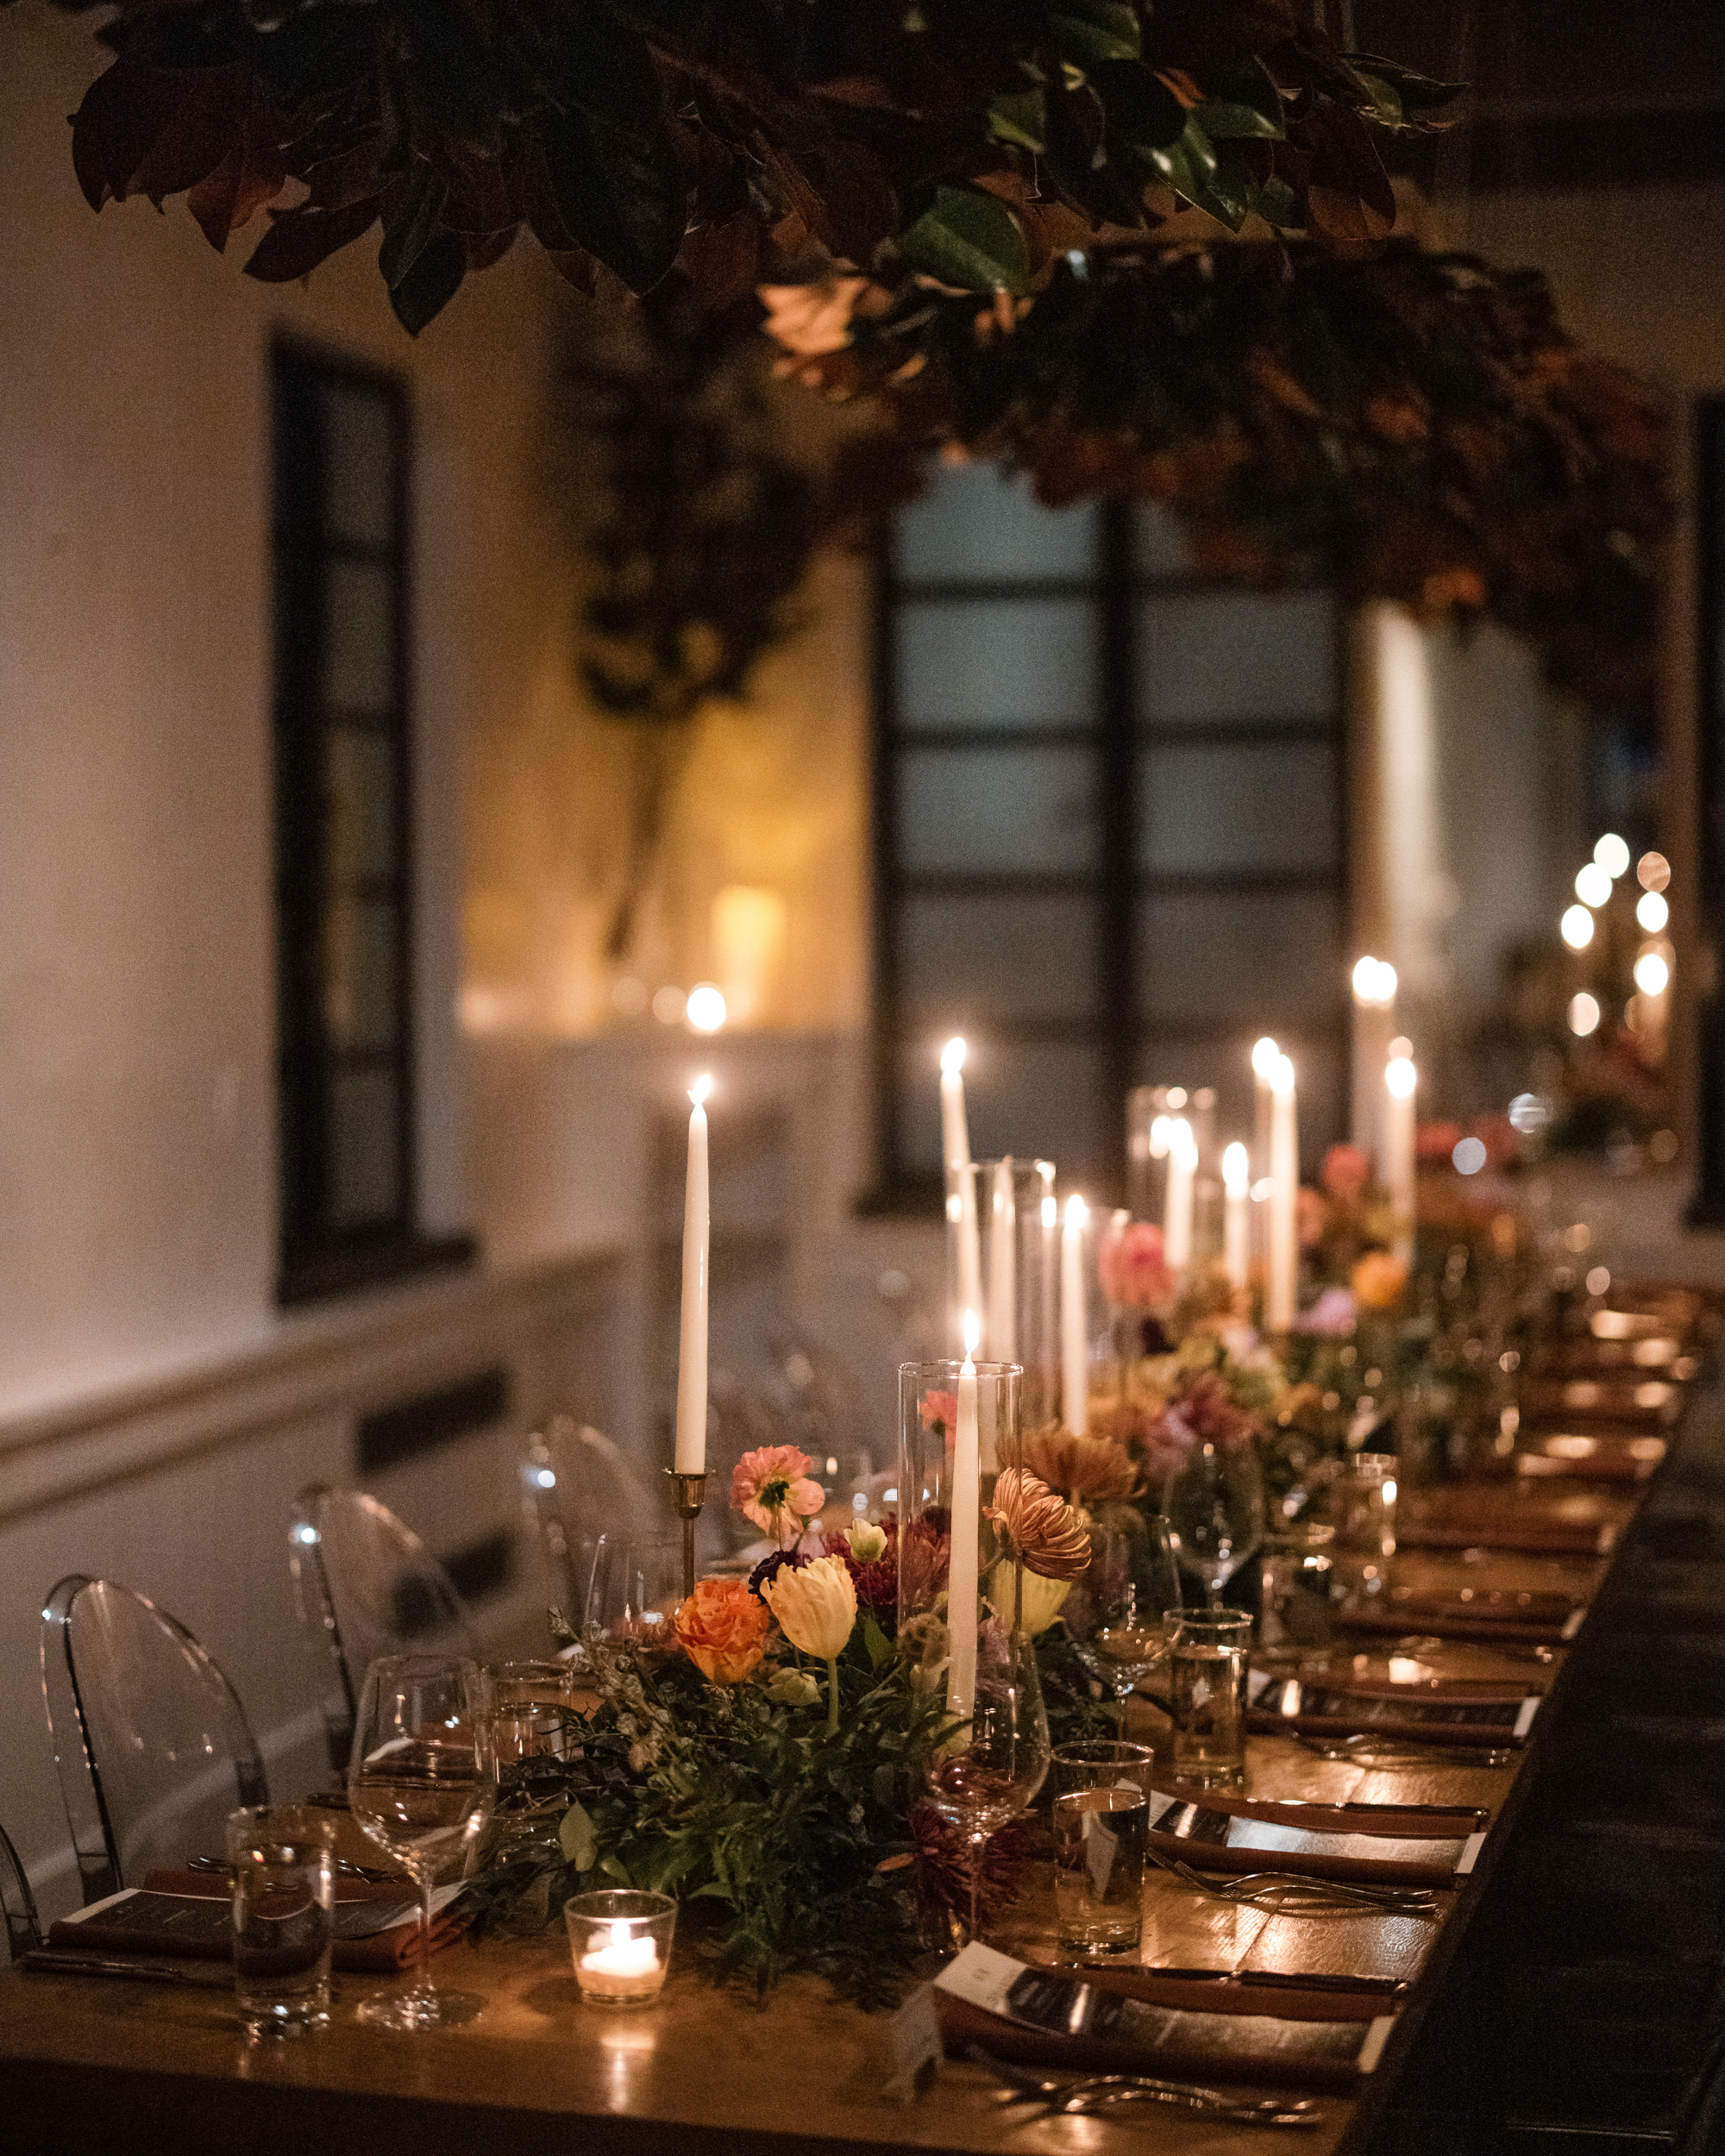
(989, 1770)
(1215, 1507)
(1114, 1614)
(422, 1782)
(637, 1585)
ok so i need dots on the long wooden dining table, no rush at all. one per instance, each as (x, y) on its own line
(122, 2065)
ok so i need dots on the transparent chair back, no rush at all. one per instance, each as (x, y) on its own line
(23, 1931)
(365, 1586)
(580, 1486)
(152, 1746)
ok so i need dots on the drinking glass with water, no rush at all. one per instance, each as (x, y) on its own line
(1102, 1829)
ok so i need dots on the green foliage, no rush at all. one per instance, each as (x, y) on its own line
(798, 1839)
(750, 143)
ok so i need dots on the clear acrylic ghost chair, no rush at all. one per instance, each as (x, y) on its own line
(580, 1486)
(23, 1931)
(365, 1587)
(152, 1746)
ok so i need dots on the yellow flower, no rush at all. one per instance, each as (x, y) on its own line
(815, 1604)
(1037, 1604)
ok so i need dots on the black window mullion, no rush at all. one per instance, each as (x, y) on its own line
(1116, 958)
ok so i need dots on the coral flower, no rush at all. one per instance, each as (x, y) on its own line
(1084, 1469)
(1347, 1172)
(1379, 1280)
(1051, 1540)
(772, 1488)
(939, 1413)
(723, 1630)
(1132, 1267)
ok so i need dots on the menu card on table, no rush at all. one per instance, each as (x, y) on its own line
(1221, 1833)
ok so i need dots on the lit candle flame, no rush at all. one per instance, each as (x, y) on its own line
(1401, 1077)
(1078, 1213)
(1236, 1171)
(1282, 1075)
(952, 1055)
(699, 1090)
(973, 1334)
(1263, 1056)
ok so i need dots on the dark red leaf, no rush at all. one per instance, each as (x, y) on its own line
(249, 177)
(300, 239)
(206, 119)
(722, 262)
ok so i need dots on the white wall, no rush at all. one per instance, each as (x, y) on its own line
(137, 1107)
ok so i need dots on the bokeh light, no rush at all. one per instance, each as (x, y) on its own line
(1612, 854)
(1652, 872)
(705, 1010)
(1576, 927)
(1653, 975)
(669, 1006)
(1469, 1155)
(1652, 911)
(1592, 885)
(1584, 1014)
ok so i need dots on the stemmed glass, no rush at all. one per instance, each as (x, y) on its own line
(1114, 1614)
(1214, 1506)
(989, 1770)
(636, 1583)
(422, 1782)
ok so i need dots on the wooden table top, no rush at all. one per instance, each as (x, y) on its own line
(113, 2066)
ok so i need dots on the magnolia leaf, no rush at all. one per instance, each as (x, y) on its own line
(576, 1839)
(1144, 113)
(1089, 32)
(299, 240)
(1019, 116)
(879, 1647)
(1227, 195)
(1225, 123)
(1276, 203)
(1190, 163)
(1385, 105)
(1251, 102)
(969, 239)
(621, 197)
(1417, 93)
(408, 233)
(422, 292)
(251, 174)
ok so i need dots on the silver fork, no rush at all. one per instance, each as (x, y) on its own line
(1399, 1751)
(1258, 1888)
(1079, 2094)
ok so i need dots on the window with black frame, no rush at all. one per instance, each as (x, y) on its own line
(343, 830)
(1110, 810)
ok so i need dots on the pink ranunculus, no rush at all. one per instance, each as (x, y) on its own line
(1334, 1315)
(939, 1413)
(1131, 1263)
(771, 1487)
(1311, 1215)
(1347, 1172)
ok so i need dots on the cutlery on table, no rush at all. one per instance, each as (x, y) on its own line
(1081, 2094)
(1479, 1813)
(343, 1867)
(1274, 1980)
(72, 1961)
(1399, 1751)
(1287, 1891)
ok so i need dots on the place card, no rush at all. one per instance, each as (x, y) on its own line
(914, 2047)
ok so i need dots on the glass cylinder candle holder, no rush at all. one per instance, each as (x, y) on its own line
(965, 1204)
(1020, 1238)
(956, 1436)
(620, 1942)
(1147, 1152)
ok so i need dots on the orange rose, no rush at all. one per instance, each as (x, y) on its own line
(1379, 1280)
(724, 1629)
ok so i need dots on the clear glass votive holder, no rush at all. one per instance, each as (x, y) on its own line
(620, 1941)
(1207, 1673)
(284, 1882)
(1102, 1829)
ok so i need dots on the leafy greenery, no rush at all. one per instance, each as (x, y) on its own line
(1415, 426)
(724, 1796)
(976, 140)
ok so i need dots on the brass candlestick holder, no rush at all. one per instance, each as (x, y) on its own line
(690, 1496)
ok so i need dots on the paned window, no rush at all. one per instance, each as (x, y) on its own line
(1110, 828)
(344, 829)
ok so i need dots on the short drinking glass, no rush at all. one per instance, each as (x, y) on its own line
(1102, 1826)
(1207, 1668)
(284, 1900)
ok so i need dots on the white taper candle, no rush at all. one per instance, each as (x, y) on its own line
(691, 1451)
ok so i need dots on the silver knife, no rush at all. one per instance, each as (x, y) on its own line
(74, 1962)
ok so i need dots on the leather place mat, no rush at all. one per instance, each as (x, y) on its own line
(177, 1913)
(1039, 2017)
(1320, 1841)
(1511, 1516)
(1492, 1715)
(1227, 1995)
(1567, 1455)
(1530, 1617)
